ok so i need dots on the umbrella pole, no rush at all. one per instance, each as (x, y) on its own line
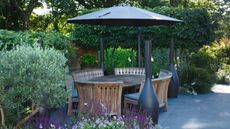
(102, 54)
(174, 83)
(139, 46)
(148, 100)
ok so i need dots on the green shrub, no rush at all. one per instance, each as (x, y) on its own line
(120, 58)
(197, 79)
(160, 60)
(88, 59)
(204, 81)
(205, 60)
(123, 58)
(223, 74)
(31, 77)
(10, 39)
(214, 58)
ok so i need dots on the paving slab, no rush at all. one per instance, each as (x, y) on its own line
(208, 111)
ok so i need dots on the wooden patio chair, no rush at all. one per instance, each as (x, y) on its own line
(161, 88)
(164, 73)
(129, 71)
(100, 97)
(76, 76)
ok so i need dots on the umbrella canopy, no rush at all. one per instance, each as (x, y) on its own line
(124, 15)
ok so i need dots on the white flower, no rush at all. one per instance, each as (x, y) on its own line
(85, 104)
(40, 126)
(101, 125)
(52, 126)
(98, 121)
(114, 117)
(129, 59)
(152, 60)
(193, 83)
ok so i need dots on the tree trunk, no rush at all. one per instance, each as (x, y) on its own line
(112, 57)
(26, 11)
(132, 58)
(173, 3)
(2, 117)
(24, 120)
(56, 27)
(107, 57)
(25, 20)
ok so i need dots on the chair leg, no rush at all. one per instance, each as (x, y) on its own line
(125, 106)
(70, 106)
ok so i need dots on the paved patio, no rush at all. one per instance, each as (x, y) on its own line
(209, 111)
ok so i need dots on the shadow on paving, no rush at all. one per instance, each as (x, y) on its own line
(208, 111)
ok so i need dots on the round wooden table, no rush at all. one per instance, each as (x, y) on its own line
(128, 80)
(131, 83)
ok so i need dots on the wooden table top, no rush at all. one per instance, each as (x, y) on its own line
(128, 80)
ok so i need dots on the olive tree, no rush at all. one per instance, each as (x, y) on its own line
(31, 79)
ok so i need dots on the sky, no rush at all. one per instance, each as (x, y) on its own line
(42, 10)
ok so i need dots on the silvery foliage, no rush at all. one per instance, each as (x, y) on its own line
(31, 75)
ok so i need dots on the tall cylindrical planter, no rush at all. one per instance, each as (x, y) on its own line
(148, 100)
(174, 83)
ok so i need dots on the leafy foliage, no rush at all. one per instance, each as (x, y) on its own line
(205, 59)
(197, 79)
(120, 58)
(160, 60)
(10, 39)
(123, 58)
(15, 14)
(32, 77)
(88, 59)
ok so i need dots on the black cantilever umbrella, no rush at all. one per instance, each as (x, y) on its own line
(125, 15)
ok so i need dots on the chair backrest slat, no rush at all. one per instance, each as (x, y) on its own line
(129, 71)
(105, 97)
(87, 74)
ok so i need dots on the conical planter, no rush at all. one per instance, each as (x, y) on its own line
(148, 100)
(174, 83)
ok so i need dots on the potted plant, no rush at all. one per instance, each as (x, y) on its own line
(88, 61)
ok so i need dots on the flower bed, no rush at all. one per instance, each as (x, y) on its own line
(132, 120)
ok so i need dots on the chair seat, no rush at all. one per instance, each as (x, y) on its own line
(133, 96)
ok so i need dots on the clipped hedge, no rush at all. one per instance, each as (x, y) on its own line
(196, 31)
